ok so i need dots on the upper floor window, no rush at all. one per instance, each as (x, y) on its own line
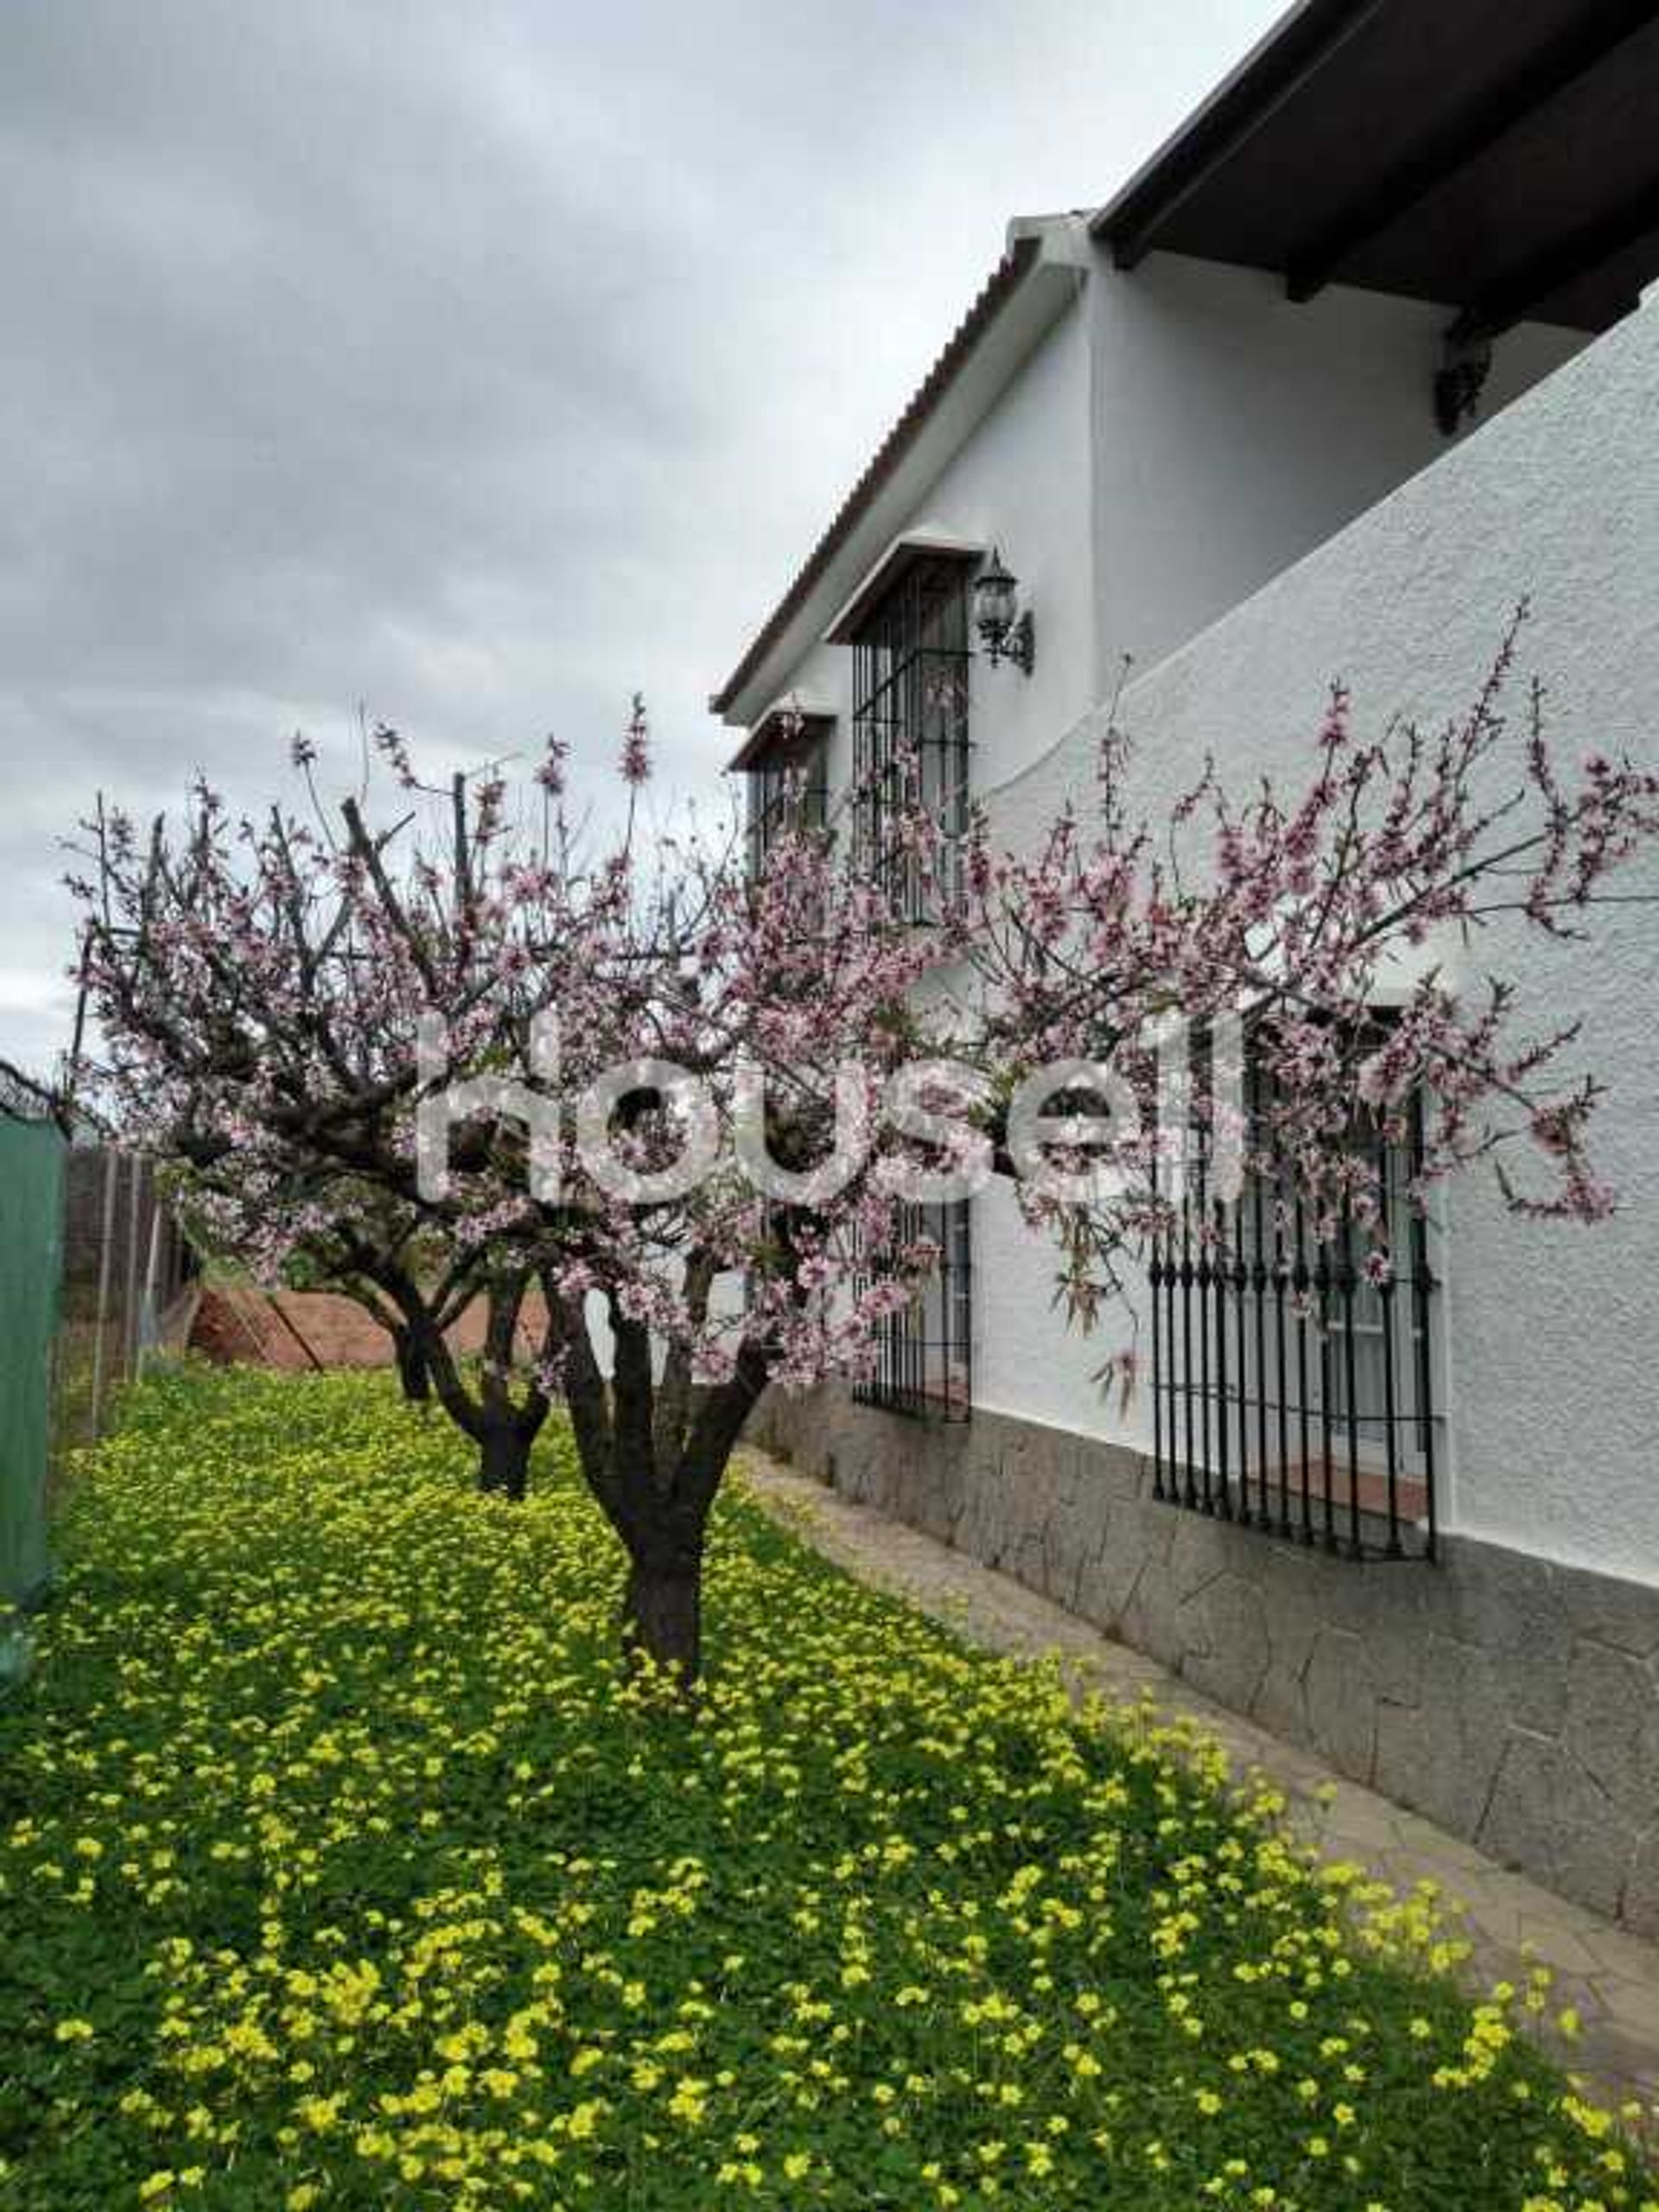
(911, 656)
(788, 793)
(786, 763)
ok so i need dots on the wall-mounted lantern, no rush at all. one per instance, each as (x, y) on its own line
(1466, 363)
(1007, 635)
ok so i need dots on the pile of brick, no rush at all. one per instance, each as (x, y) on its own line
(299, 1329)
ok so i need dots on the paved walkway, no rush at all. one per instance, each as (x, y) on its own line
(1610, 1979)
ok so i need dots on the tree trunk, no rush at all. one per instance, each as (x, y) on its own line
(504, 1460)
(412, 1371)
(663, 1613)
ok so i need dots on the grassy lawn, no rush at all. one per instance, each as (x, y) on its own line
(338, 1868)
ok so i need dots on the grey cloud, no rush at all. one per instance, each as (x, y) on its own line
(483, 363)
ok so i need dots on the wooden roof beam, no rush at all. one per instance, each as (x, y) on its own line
(1292, 53)
(1579, 254)
(1583, 46)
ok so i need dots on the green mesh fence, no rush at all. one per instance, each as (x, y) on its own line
(31, 1241)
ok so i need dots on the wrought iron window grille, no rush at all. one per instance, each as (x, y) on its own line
(788, 791)
(1295, 1390)
(924, 1354)
(911, 743)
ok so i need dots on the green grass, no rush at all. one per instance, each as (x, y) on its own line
(341, 1868)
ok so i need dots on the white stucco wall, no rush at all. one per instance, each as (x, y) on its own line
(1236, 430)
(1027, 1362)
(1552, 1332)
(1173, 439)
(1020, 482)
(1179, 440)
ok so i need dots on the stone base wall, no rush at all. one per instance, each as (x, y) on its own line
(1513, 1701)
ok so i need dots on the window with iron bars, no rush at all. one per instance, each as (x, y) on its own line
(788, 790)
(924, 1354)
(1293, 1392)
(910, 659)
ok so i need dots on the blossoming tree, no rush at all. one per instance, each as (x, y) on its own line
(1275, 925)
(287, 1001)
(390, 1012)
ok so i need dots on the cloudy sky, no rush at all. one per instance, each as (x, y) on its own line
(480, 363)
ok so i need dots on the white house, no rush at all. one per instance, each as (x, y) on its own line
(1348, 369)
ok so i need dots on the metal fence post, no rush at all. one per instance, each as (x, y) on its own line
(130, 1308)
(105, 1248)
